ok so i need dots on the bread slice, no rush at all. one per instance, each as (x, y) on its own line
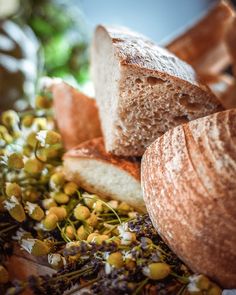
(188, 181)
(202, 44)
(104, 174)
(142, 90)
(76, 115)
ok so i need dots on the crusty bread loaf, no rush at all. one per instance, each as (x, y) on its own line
(202, 44)
(231, 42)
(104, 174)
(223, 86)
(76, 115)
(188, 181)
(142, 90)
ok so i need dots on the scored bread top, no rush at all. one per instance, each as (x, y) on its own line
(136, 50)
(95, 149)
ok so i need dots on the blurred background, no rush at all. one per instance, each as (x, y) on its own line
(51, 37)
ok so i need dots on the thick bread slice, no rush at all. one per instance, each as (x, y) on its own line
(188, 181)
(76, 115)
(104, 174)
(202, 45)
(142, 90)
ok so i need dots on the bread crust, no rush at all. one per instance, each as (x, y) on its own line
(188, 180)
(204, 41)
(76, 115)
(95, 149)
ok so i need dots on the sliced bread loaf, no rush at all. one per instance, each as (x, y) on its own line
(188, 180)
(104, 174)
(142, 90)
(76, 115)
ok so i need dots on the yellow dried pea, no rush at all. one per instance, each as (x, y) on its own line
(15, 161)
(13, 189)
(50, 221)
(70, 188)
(116, 259)
(81, 212)
(60, 197)
(214, 290)
(60, 212)
(157, 271)
(4, 275)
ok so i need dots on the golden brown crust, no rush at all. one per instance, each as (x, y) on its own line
(231, 42)
(94, 149)
(205, 39)
(76, 115)
(188, 179)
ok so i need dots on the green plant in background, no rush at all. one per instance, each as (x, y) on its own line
(60, 28)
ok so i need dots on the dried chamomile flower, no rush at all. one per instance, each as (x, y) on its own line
(13, 189)
(99, 239)
(98, 206)
(33, 166)
(22, 234)
(157, 271)
(15, 209)
(69, 232)
(48, 137)
(43, 102)
(92, 220)
(60, 197)
(57, 180)
(113, 204)
(116, 259)
(81, 212)
(124, 207)
(10, 118)
(60, 212)
(70, 188)
(55, 260)
(126, 237)
(49, 203)
(83, 232)
(199, 283)
(34, 211)
(35, 247)
(15, 161)
(89, 200)
(31, 195)
(4, 275)
(31, 139)
(27, 120)
(50, 222)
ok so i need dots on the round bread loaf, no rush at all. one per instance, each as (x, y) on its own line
(189, 186)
